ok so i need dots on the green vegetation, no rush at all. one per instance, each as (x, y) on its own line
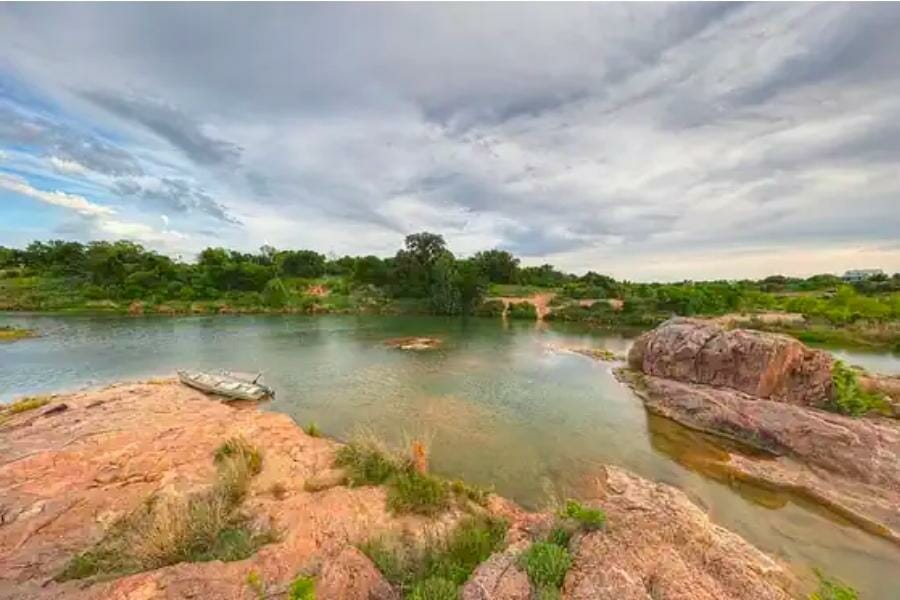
(302, 588)
(848, 397)
(521, 310)
(204, 526)
(25, 404)
(313, 430)
(12, 334)
(425, 571)
(588, 518)
(423, 277)
(369, 462)
(831, 589)
(413, 492)
(546, 565)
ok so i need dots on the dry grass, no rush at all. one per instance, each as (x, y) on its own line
(166, 530)
(25, 404)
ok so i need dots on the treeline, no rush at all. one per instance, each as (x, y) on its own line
(424, 271)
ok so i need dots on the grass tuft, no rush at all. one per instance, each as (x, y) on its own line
(367, 463)
(240, 450)
(413, 492)
(302, 588)
(546, 564)
(831, 589)
(589, 518)
(451, 560)
(312, 430)
(25, 404)
(203, 526)
(434, 588)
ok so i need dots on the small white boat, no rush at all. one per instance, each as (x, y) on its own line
(239, 386)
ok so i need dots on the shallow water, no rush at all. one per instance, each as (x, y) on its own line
(498, 404)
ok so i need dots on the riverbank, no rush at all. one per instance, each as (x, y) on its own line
(13, 334)
(73, 468)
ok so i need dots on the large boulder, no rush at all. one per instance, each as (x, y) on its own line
(765, 365)
(659, 544)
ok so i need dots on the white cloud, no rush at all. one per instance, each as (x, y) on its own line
(68, 167)
(79, 204)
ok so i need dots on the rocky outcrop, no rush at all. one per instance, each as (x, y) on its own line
(66, 476)
(765, 365)
(658, 544)
(762, 390)
(850, 465)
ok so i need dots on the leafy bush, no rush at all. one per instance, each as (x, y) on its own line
(490, 308)
(847, 397)
(546, 564)
(521, 310)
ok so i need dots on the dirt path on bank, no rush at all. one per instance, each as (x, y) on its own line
(541, 303)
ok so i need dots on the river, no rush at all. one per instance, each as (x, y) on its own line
(497, 404)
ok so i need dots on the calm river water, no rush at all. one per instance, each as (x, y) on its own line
(497, 404)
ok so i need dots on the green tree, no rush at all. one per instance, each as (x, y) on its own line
(499, 266)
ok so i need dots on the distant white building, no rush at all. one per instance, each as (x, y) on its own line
(861, 274)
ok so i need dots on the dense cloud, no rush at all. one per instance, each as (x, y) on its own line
(649, 140)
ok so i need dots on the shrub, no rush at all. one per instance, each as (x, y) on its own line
(490, 308)
(413, 492)
(831, 589)
(313, 430)
(521, 310)
(847, 397)
(546, 564)
(588, 518)
(434, 588)
(302, 588)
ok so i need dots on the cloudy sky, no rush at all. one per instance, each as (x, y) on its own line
(647, 141)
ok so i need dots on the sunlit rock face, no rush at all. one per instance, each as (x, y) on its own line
(765, 365)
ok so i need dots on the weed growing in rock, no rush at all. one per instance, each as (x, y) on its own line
(831, 589)
(560, 535)
(589, 518)
(313, 430)
(240, 450)
(203, 526)
(546, 564)
(847, 396)
(302, 588)
(474, 493)
(414, 569)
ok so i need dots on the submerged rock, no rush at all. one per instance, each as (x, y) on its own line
(414, 343)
